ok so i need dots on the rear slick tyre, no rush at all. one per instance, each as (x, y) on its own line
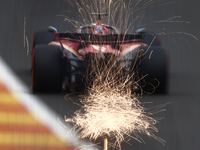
(44, 36)
(47, 69)
(151, 39)
(155, 68)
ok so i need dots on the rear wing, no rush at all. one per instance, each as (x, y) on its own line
(99, 39)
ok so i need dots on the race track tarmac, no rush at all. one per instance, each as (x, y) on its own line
(179, 22)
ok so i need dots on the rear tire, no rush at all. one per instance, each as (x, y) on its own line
(151, 38)
(47, 68)
(155, 65)
(43, 37)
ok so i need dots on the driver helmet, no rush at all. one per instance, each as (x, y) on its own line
(99, 29)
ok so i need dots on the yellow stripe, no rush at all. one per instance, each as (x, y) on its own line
(29, 139)
(71, 49)
(7, 98)
(17, 118)
(131, 48)
(67, 47)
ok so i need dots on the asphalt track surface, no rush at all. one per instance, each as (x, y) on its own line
(180, 126)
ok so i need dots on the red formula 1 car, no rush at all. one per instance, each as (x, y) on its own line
(58, 59)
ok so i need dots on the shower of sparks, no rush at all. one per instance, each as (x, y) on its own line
(107, 112)
(130, 12)
(109, 108)
(24, 31)
(26, 43)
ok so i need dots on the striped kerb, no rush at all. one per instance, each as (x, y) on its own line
(19, 130)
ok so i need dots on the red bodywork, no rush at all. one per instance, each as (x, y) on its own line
(75, 46)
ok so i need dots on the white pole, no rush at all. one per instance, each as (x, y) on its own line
(105, 144)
